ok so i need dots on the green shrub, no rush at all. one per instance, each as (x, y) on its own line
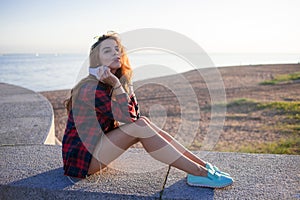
(282, 78)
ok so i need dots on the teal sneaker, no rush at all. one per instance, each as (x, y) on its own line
(212, 180)
(213, 167)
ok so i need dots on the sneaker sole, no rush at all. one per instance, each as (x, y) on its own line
(206, 186)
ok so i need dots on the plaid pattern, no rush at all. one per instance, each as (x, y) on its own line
(93, 113)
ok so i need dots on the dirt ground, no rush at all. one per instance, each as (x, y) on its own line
(186, 105)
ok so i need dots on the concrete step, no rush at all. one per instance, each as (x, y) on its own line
(256, 176)
(28, 171)
(36, 172)
(26, 117)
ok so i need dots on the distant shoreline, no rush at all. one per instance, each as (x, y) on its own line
(46, 72)
(220, 67)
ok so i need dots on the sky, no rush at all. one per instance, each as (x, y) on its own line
(218, 26)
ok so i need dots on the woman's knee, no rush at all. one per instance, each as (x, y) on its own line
(142, 122)
(139, 129)
(145, 119)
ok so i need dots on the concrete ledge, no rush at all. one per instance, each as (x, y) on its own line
(26, 117)
(257, 176)
(36, 171)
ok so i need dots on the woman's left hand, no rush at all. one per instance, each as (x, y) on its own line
(109, 78)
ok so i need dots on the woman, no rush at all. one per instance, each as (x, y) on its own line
(93, 137)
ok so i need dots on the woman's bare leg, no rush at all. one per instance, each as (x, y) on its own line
(111, 141)
(176, 144)
(117, 141)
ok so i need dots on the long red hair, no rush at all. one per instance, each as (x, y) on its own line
(124, 73)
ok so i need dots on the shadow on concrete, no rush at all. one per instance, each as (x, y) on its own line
(180, 190)
(52, 180)
(54, 185)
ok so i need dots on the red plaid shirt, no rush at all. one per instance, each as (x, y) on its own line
(93, 113)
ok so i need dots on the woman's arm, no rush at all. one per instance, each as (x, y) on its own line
(124, 107)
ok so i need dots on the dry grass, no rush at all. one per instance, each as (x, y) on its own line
(259, 118)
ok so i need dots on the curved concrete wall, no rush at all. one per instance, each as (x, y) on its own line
(26, 117)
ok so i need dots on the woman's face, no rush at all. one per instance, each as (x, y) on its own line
(110, 54)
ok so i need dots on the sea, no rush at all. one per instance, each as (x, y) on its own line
(47, 72)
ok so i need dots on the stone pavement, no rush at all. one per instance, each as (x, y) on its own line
(29, 169)
(36, 172)
(26, 117)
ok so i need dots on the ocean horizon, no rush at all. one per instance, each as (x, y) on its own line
(46, 72)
